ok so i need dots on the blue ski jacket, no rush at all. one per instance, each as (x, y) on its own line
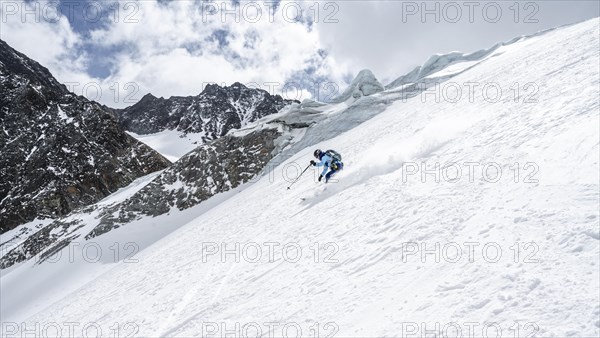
(325, 162)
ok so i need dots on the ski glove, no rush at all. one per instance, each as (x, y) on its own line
(320, 178)
(313, 162)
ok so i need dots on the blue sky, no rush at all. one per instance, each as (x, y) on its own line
(126, 49)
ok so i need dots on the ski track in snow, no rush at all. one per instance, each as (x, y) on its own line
(371, 288)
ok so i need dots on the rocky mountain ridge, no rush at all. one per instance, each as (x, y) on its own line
(214, 112)
(58, 151)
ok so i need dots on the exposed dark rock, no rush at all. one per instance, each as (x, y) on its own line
(58, 151)
(213, 168)
(214, 112)
(210, 169)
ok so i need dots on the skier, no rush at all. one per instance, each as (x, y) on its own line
(329, 159)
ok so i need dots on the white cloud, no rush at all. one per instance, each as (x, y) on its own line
(174, 47)
(384, 37)
(256, 52)
(170, 48)
(42, 37)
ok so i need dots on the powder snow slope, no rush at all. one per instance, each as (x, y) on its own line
(519, 254)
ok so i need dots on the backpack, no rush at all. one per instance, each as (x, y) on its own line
(334, 155)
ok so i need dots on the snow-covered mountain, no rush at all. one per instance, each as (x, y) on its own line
(58, 151)
(193, 120)
(364, 84)
(393, 248)
(212, 168)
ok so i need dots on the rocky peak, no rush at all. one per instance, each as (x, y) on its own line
(213, 112)
(20, 65)
(58, 151)
(148, 98)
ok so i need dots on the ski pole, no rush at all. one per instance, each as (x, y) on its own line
(302, 173)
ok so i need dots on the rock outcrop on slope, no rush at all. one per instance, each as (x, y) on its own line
(213, 168)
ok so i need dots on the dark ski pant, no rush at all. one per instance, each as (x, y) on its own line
(332, 172)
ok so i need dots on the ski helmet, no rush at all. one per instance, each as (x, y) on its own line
(318, 153)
